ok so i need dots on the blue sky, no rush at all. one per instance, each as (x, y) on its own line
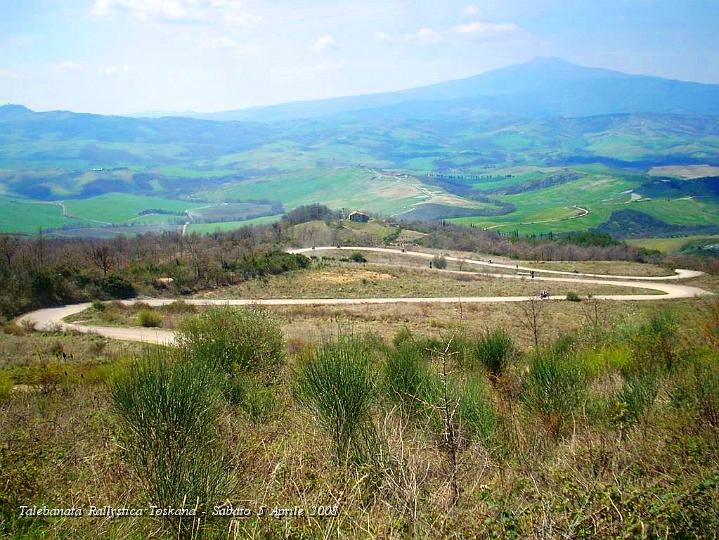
(125, 56)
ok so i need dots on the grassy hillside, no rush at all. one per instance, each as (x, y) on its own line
(26, 216)
(533, 175)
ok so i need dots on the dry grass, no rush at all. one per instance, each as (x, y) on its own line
(609, 268)
(344, 278)
(351, 280)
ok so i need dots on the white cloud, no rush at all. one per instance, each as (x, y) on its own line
(470, 10)
(323, 43)
(487, 29)
(424, 36)
(476, 31)
(69, 67)
(123, 69)
(142, 10)
(505, 32)
(231, 12)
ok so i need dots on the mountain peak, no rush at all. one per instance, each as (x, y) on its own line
(550, 61)
(12, 109)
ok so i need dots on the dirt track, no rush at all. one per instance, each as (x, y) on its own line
(52, 318)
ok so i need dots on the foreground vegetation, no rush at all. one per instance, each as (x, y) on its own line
(608, 431)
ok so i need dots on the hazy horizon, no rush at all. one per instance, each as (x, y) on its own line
(135, 56)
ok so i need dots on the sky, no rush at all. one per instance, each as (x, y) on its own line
(132, 56)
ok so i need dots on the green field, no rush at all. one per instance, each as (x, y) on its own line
(549, 209)
(24, 216)
(117, 170)
(117, 208)
(671, 245)
(682, 211)
(337, 188)
(224, 226)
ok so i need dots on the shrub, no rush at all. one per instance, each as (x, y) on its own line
(476, 413)
(337, 384)
(240, 339)
(114, 286)
(168, 410)
(439, 262)
(698, 390)
(180, 307)
(358, 257)
(408, 378)
(149, 318)
(573, 297)
(638, 395)
(6, 385)
(258, 403)
(653, 343)
(555, 387)
(495, 350)
(97, 305)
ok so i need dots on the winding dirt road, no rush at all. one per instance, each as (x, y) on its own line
(52, 318)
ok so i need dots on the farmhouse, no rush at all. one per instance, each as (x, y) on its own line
(359, 217)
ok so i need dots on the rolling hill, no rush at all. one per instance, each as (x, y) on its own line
(539, 147)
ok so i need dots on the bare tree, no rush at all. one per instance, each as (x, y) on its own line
(533, 319)
(595, 314)
(102, 256)
(448, 408)
(8, 247)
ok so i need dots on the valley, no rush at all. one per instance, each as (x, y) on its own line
(528, 172)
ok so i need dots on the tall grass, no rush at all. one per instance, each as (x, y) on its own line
(149, 318)
(168, 409)
(476, 414)
(414, 383)
(654, 342)
(408, 377)
(697, 389)
(239, 339)
(6, 385)
(337, 383)
(638, 395)
(555, 387)
(495, 350)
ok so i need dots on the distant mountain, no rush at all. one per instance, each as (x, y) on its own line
(543, 87)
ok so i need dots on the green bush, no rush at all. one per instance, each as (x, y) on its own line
(698, 390)
(258, 403)
(494, 350)
(97, 305)
(234, 339)
(149, 318)
(439, 262)
(168, 409)
(336, 382)
(555, 387)
(476, 413)
(638, 395)
(114, 286)
(180, 307)
(573, 297)
(653, 343)
(408, 377)
(357, 257)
